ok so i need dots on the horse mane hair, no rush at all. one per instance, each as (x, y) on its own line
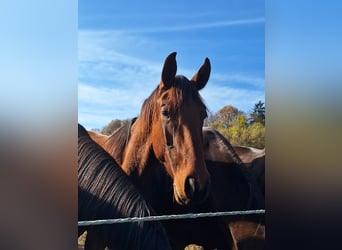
(106, 192)
(224, 143)
(117, 141)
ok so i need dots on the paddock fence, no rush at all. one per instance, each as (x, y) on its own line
(169, 217)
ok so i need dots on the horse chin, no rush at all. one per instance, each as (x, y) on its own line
(179, 198)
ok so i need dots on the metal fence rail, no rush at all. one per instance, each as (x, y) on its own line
(169, 217)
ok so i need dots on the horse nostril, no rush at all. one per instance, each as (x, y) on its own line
(190, 187)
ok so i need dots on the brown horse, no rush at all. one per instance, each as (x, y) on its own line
(167, 138)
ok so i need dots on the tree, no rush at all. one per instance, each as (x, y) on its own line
(113, 125)
(256, 132)
(225, 116)
(258, 114)
(237, 128)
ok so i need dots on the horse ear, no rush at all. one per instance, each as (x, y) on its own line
(202, 76)
(169, 71)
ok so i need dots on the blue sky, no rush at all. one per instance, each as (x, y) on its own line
(122, 46)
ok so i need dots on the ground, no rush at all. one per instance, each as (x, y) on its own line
(82, 238)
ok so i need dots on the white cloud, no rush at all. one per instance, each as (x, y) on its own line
(196, 26)
(110, 100)
(244, 78)
(218, 96)
(113, 84)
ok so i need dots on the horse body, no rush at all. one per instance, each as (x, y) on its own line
(105, 192)
(254, 160)
(249, 154)
(247, 235)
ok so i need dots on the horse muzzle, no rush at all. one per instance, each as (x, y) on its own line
(193, 193)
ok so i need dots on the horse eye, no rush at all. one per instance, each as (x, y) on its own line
(165, 112)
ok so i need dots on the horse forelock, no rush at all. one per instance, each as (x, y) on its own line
(186, 91)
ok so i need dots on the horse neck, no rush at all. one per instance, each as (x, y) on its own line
(138, 149)
(115, 145)
(256, 200)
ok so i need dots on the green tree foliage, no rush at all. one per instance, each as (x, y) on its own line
(113, 125)
(258, 114)
(234, 125)
(256, 132)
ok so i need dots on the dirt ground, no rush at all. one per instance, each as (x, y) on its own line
(82, 238)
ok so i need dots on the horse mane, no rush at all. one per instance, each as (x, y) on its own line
(181, 91)
(106, 192)
(223, 142)
(116, 143)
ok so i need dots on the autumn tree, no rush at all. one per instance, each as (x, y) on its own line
(113, 125)
(237, 128)
(225, 116)
(256, 135)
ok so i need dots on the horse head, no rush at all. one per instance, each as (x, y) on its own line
(177, 130)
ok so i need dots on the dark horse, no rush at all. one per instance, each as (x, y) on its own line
(254, 159)
(230, 172)
(218, 149)
(164, 152)
(105, 192)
